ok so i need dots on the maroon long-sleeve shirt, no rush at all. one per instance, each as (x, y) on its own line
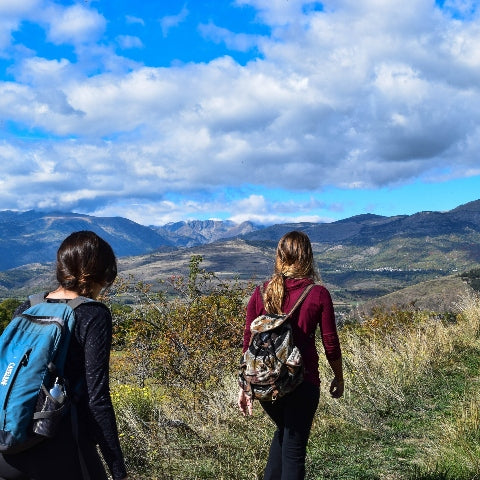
(316, 309)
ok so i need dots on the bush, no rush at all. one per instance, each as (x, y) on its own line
(174, 377)
(188, 341)
(7, 309)
(472, 277)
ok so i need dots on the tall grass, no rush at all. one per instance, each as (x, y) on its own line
(411, 409)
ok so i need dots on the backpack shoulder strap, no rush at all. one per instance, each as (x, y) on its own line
(75, 302)
(297, 303)
(301, 299)
(37, 298)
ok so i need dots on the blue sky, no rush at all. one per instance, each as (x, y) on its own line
(264, 110)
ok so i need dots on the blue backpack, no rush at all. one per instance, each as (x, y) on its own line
(33, 349)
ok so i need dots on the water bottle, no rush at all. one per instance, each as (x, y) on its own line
(58, 391)
(48, 413)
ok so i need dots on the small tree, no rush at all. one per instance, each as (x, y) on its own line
(7, 309)
(188, 340)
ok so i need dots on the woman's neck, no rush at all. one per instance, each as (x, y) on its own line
(62, 293)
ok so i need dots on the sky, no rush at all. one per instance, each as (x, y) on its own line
(272, 111)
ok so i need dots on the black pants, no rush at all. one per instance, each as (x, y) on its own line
(293, 415)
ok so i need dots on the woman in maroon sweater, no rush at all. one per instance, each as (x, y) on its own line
(293, 413)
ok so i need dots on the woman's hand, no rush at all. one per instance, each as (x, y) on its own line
(245, 403)
(336, 387)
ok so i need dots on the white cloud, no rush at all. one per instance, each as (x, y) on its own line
(134, 20)
(254, 208)
(129, 41)
(171, 21)
(37, 70)
(18, 7)
(74, 25)
(11, 15)
(234, 41)
(265, 211)
(365, 94)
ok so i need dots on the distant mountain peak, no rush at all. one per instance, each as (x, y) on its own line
(189, 233)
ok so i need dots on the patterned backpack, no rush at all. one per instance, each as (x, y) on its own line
(272, 365)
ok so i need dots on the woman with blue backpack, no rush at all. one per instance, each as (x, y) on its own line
(85, 266)
(287, 382)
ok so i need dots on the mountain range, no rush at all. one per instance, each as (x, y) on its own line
(34, 237)
(359, 257)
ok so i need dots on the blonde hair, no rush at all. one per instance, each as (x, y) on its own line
(294, 259)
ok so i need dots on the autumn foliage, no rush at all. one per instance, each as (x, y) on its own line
(185, 335)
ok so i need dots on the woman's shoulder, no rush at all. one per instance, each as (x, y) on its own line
(90, 302)
(320, 290)
(94, 308)
(318, 293)
(90, 309)
(93, 320)
(21, 308)
(93, 312)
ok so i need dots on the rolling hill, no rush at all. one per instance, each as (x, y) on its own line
(360, 258)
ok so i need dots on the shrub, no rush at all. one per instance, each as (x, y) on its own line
(472, 277)
(189, 341)
(7, 308)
